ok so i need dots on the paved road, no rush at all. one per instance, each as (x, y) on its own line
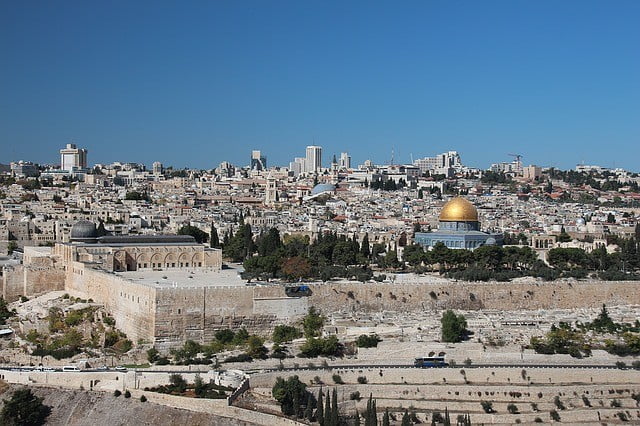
(343, 367)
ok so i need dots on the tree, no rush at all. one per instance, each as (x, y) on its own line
(312, 323)
(256, 348)
(406, 420)
(320, 410)
(385, 418)
(296, 268)
(285, 333)
(454, 327)
(292, 394)
(364, 247)
(5, 313)
(214, 239)
(343, 254)
(24, 409)
(197, 233)
(153, 355)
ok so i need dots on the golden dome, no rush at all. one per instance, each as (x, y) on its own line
(459, 210)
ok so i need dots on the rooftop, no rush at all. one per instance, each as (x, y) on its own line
(186, 278)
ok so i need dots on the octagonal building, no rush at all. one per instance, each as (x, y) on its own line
(458, 228)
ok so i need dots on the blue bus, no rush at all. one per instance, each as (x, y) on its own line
(430, 361)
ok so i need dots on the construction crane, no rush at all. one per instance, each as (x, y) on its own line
(518, 158)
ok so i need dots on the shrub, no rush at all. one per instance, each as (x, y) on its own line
(558, 403)
(621, 365)
(487, 406)
(512, 408)
(285, 333)
(355, 396)
(117, 393)
(537, 420)
(615, 403)
(362, 380)
(337, 379)
(554, 415)
(368, 341)
(143, 398)
(127, 394)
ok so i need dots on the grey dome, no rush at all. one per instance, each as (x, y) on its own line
(83, 230)
(323, 187)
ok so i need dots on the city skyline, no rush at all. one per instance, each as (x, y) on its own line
(198, 86)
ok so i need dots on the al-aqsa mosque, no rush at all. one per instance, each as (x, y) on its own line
(458, 228)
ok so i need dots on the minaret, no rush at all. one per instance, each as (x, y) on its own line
(271, 192)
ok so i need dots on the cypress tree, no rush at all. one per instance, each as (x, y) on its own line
(320, 410)
(308, 411)
(385, 418)
(328, 419)
(364, 247)
(334, 409)
(406, 421)
(214, 240)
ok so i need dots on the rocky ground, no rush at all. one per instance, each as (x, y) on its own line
(87, 408)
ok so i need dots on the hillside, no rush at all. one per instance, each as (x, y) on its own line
(87, 408)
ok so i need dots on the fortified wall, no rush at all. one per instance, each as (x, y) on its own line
(530, 295)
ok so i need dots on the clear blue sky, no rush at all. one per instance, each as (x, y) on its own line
(196, 83)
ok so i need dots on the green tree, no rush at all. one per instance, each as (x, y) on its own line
(197, 233)
(214, 239)
(312, 323)
(285, 333)
(24, 409)
(454, 327)
(153, 355)
(406, 420)
(255, 348)
(320, 410)
(364, 247)
(385, 418)
(5, 313)
(344, 254)
(292, 394)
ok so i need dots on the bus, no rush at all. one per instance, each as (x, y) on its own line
(430, 361)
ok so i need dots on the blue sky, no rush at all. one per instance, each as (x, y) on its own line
(197, 83)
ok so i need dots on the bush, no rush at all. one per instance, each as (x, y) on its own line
(239, 358)
(362, 380)
(337, 379)
(127, 394)
(143, 398)
(615, 403)
(621, 365)
(285, 333)
(487, 406)
(368, 341)
(512, 408)
(117, 393)
(355, 396)
(24, 408)
(554, 415)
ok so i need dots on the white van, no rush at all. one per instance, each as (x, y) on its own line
(70, 368)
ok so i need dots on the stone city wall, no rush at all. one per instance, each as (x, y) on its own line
(196, 313)
(132, 305)
(413, 297)
(42, 275)
(12, 282)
